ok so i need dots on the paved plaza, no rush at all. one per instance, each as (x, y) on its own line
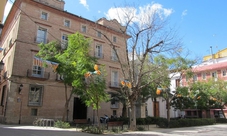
(211, 130)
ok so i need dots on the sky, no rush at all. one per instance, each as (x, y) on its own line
(200, 24)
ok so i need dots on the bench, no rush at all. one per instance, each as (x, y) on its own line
(115, 123)
(81, 121)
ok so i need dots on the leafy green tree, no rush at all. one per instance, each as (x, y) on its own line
(170, 67)
(218, 93)
(74, 61)
(95, 93)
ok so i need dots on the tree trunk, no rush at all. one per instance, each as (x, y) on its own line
(168, 109)
(155, 114)
(132, 118)
(65, 112)
(124, 112)
(223, 111)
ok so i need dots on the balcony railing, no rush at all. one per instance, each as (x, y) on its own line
(99, 55)
(41, 40)
(114, 84)
(41, 75)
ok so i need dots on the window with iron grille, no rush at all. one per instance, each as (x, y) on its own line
(35, 95)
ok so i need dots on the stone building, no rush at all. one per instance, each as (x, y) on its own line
(29, 91)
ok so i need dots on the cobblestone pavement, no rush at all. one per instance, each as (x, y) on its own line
(211, 130)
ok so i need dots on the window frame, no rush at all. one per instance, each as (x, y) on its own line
(224, 73)
(99, 34)
(114, 39)
(44, 15)
(67, 23)
(204, 75)
(212, 72)
(64, 41)
(41, 35)
(114, 78)
(36, 69)
(114, 55)
(32, 96)
(98, 51)
(84, 28)
(195, 77)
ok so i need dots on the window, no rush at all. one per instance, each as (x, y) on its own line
(67, 23)
(224, 72)
(99, 34)
(114, 113)
(84, 29)
(114, 101)
(114, 39)
(114, 79)
(64, 41)
(195, 78)
(35, 95)
(177, 82)
(34, 112)
(214, 74)
(98, 51)
(37, 71)
(204, 76)
(41, 35)
(114, 55)
(44, 16)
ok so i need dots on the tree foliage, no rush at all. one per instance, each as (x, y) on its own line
(74, 61)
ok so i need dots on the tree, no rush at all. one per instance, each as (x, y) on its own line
(74, 61)
(170, 67)
(145, 35)
(95, 93)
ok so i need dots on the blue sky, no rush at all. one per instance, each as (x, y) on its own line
(200, 23)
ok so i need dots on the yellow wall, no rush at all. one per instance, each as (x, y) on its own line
(2, 8)
(219, 54)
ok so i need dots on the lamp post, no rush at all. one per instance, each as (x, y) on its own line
(19, 99)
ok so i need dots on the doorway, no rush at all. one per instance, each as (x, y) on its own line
(79, 109)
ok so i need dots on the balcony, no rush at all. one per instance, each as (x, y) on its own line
(41, 75)
(113, 84)
(99, 55)
(114, 105)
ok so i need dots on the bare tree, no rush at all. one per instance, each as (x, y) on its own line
(145, 35)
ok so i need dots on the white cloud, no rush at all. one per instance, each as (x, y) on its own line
(122, 14)
(7, 10)
(84, 3)
(99, 11)
(142, 15)
(184, 13)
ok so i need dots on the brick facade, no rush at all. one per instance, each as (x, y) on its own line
(18, 40)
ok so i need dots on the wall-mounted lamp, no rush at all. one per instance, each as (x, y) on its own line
(20, 88)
